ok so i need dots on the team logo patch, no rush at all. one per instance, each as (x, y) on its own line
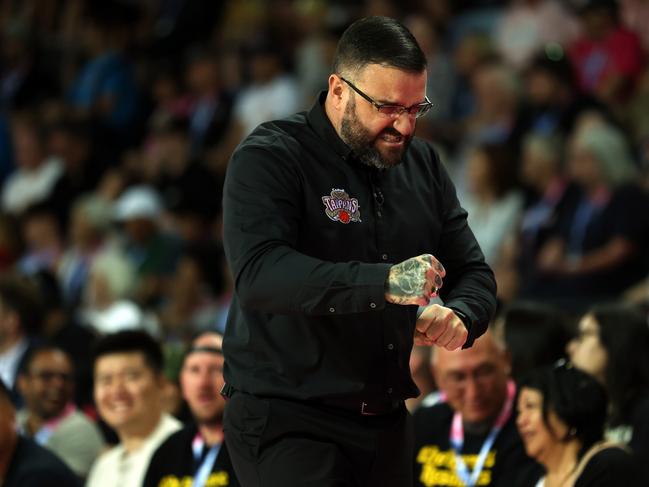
(339, 207)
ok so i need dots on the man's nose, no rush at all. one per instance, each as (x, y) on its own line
(471, 388)
(405, 123)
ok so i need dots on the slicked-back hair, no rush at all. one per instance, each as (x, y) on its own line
(131, 341)
(378, 40)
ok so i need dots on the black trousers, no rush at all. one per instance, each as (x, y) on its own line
(283, 443)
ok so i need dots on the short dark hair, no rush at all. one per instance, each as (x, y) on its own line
(20, 296)
(624, 333)
(33, 352)
(131, 341)
(535, 335)
(378, 40)
(575, 397)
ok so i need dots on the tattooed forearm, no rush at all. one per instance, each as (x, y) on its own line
(408, 281)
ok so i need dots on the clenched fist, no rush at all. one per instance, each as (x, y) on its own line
(438, 325)
(414, 281)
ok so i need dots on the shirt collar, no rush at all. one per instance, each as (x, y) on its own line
(323, 127)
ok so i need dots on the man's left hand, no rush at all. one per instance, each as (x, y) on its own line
(438, 325)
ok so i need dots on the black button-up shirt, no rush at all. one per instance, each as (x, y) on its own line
(310, 234)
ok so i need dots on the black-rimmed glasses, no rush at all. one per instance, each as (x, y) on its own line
(394, 111)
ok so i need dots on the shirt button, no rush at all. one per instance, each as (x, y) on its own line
(389, 390)
(390, 346)
(332, 310)
(384, 257)
(372, 305)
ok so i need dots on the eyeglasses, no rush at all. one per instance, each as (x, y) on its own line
(394, 111)
(50, 375)
(458, 379)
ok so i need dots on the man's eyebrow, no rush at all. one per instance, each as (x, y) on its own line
(382, 101)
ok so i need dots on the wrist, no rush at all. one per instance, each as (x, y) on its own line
(463, 318)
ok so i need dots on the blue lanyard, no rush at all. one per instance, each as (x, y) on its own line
(205, 468)
(457, 440)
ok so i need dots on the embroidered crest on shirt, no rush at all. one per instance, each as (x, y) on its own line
(339, 207)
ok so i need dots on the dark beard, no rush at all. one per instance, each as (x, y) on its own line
(357, 137)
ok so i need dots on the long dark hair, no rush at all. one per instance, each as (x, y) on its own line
(624, 333)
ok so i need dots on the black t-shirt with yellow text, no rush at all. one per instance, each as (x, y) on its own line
(173, 464)
(506, 463)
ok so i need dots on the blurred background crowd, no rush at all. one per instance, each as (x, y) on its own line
(117, 120)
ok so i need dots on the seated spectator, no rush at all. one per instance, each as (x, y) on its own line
(23, 463)
(41, 232)
(71, 141)
(87, 236)
(528, 25)
(271, 93)
(46, 382)
(19, 320)
(561, 415)
(553, 103)
(607, 57)
(470, 438)
(543, 174)
(494, 206)
(211, 103)
(197, 454)
(535, 335)
(106, 307)
(182, 180)
(36, 173)
(594, 253)
(105, 88)
(612, 345)
(195, 296)
(128, 384)
(61, 330)
(152, 252)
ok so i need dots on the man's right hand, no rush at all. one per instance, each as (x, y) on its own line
(414, 281)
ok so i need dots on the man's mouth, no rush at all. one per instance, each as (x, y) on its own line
(392, 139)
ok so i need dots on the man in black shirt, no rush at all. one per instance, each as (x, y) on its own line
(197, 455)
(338, 224)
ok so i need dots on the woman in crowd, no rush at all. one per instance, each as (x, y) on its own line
(611, 345)
(561, 416)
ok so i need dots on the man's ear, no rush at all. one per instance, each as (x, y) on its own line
(336, 90)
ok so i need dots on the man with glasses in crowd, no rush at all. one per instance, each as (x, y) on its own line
(340, 226)
(46, 382)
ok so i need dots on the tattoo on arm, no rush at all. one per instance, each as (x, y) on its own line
(407, 280)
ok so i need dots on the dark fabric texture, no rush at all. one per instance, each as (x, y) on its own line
(292, 443)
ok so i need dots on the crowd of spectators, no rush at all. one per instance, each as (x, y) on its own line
(117, 120)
